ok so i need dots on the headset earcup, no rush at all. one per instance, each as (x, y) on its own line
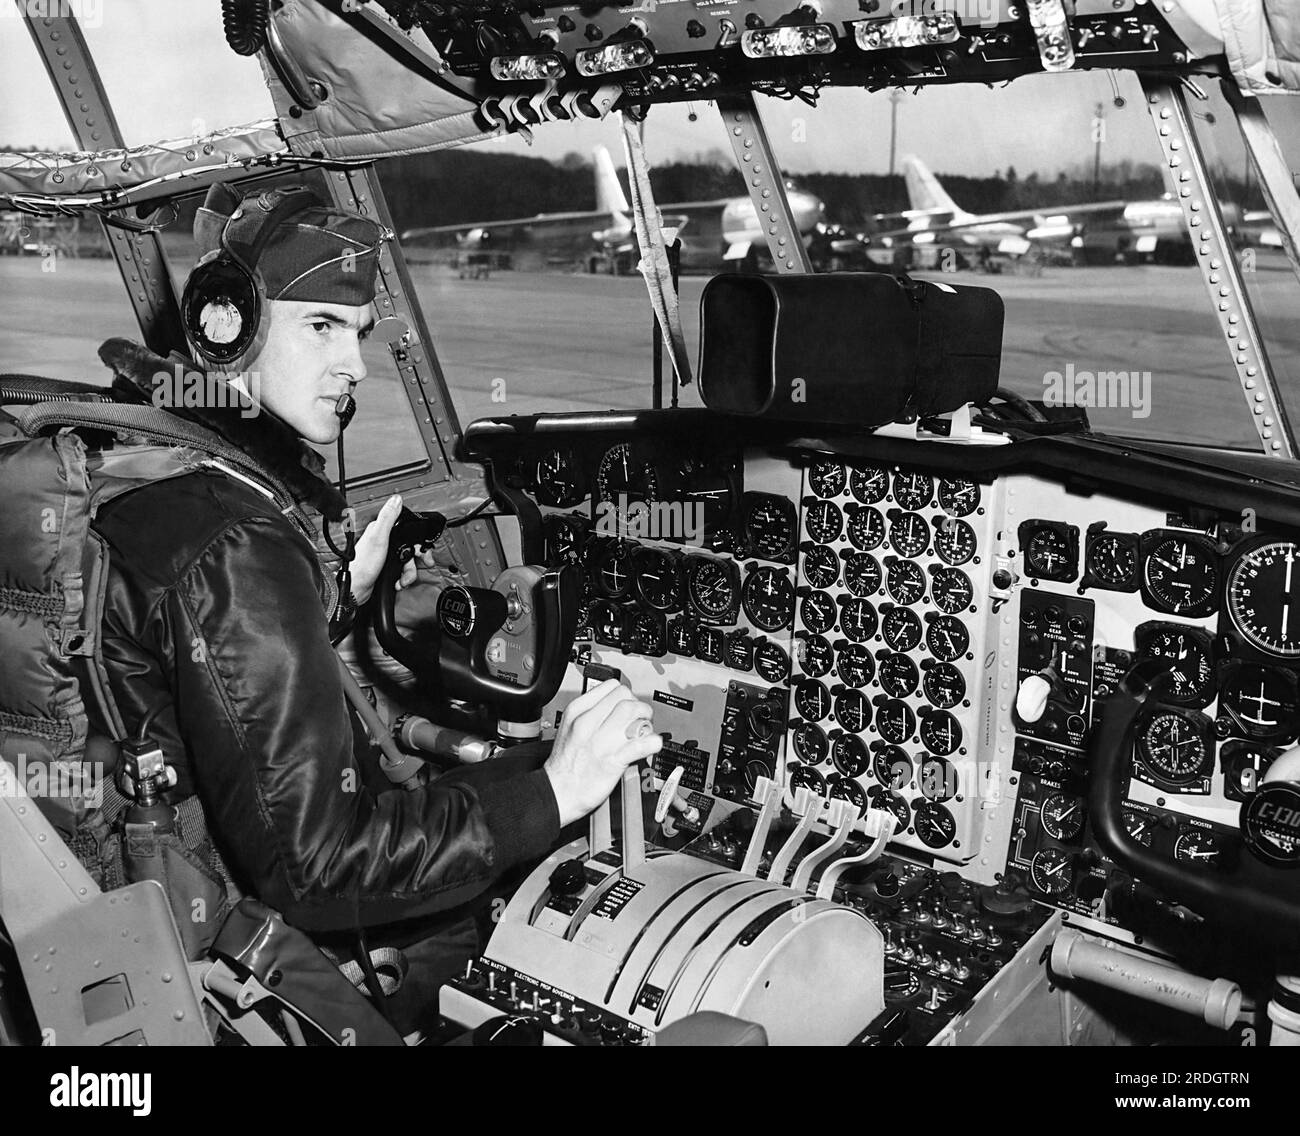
(223, 308)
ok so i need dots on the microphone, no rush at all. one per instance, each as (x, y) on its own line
(345, 408)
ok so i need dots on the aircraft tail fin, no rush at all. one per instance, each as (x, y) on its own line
(924, 193)
(609, 193)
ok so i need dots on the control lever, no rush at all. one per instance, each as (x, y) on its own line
(879, 824)
(670, 799)
(808, 808)
(841, 816)
(767, 793)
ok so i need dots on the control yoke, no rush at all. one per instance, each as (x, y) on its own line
(1260, 889)
(450, 652)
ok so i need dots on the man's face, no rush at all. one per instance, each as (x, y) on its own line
(311, 357)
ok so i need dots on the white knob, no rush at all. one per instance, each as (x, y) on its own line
(1031, 698)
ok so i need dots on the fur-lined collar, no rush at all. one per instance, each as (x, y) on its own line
(263, 437)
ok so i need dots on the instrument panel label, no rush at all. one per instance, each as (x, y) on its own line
(617, 898)
(674, 700)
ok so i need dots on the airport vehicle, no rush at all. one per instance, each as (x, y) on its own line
(981, 724)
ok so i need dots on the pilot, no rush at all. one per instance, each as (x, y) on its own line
(215, 627)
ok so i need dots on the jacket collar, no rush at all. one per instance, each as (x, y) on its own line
(266, 439)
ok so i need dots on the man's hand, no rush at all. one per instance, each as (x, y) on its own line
(593, 748)
(372, 547)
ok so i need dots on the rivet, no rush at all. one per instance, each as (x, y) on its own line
(1252, 371)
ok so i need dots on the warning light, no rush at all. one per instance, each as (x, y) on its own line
(519, 67)
(905, 31)
(1052, 31)
(626, 56)
(803, 39)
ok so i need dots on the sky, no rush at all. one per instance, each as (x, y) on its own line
(169, 74)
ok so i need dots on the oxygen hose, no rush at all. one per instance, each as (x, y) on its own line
(245, 24)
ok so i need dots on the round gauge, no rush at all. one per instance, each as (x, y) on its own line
(770, 526)
(608, 623)
(805, 777)
(821, 567)
(811, 700)
(954, 541)
(771, 662)
(862, 574)
(958, 498)
(708, 644)
(564, 540)
(858, 620)
(898, 675)
(938, 780)
(649, 634)
(943, 685)
(827, 478)
(681, 637)
(850, 756)
(1192, 677)
(655, 572)
(902, 628)
(556, 480)
(935, 825)
(1139, 826)
(1261, 701)
(892, 767)
(905, 581)
(909, 534)
(1182, 575)
(614, 572)
(1048, 553)
(738, 652)
(1264, 598)
(1175, 750)
(952, 590)
(869, 485)
(768, 598)
(810, 743)
(913, 490)
(1244, 766)
(866, 528)
(710, 587)
(895, 721)
(940, 733)
(852, 710)
(1197, 846)
(754, 769)
(1112, 560)
(855, 664)
(882, 798)
(1062, 817)
(947, 638)
(847, 790)
(1050, 871)
(815, 655)
(824, 521)
(818, 612)
(620, 478)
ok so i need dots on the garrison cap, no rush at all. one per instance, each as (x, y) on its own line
(316, 253)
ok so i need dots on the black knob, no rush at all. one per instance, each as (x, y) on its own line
(565, 24)
(753, 20)
(1002, 579)
(888, 885)
(695, 29)
(568, 877)
(594, 33)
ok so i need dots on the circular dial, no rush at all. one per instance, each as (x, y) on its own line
(1050, 871)
(710, 587)
(681, 637)
(608, 622)
(902, 628)
(620, 478)
(952, 590)
(1112, 560)
(882, 798)
(913, 490)
(1139, 826)
(815, 655)
(656, 578)
(1197, 846)
(862, 574)
(821, 567)
(1261, 701)
(935, 825)
(1062, 817)
(1192, 676)
(770, 528)
(810, 743)
(895, 721)
(824, 521)
(852, 710)
(772, 663)
(738, 652)
(818, 612)
(869, 485)
(768, 598)
(1048, 552)
(827, 478)
(1244, 766)
(954, 541)
(614, 572)
(754, 769)
(855, 664)
(1181, 575)
(649, 634)
(947, 638)
(958, 498)
(940, 733)
(938, 781)
(812, 700)
(944, 685)
(898, 675)
(866, 528)
(708, 644)
(905, 581)
(1264, 598)
(892, 767)
(850, 756)
(909, 534)
(858, 620)
(847, 790)
(556, 480)
(805, 777)
(1175, 749)
(564, 540)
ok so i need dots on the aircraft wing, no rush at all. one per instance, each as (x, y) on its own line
(539, 219)
(1027, 215)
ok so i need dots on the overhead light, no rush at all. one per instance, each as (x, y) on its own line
(626, 56)
(1052, 30)
(547, 65)
(905, 31)
(794, 39)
